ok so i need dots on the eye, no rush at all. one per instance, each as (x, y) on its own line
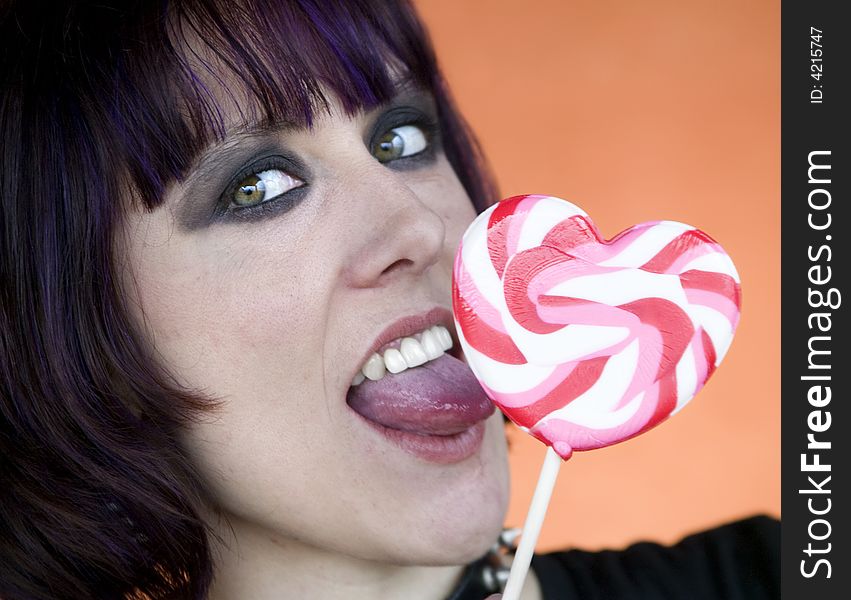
(263, 186)
(400, 142)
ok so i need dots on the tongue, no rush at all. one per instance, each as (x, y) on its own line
(441, 397)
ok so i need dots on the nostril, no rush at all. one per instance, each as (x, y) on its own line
(398, 265)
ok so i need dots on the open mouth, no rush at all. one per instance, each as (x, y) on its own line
(418, 393)
(406, 353)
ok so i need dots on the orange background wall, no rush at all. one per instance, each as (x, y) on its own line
(641, 110)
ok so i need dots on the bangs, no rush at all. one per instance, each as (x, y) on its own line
(272, 61)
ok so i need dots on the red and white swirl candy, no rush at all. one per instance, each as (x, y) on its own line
(585, 342)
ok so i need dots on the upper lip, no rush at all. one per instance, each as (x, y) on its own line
(408, 326)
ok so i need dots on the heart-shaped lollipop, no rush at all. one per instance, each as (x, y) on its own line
(585, 342)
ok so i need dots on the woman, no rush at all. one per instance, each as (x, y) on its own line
(228, 232)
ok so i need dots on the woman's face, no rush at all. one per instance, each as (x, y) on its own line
(268, 279)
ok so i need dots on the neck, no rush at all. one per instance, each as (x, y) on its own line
(250, 563)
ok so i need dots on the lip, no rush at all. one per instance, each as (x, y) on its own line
(408, 326)
(435, 448)
(439, 449)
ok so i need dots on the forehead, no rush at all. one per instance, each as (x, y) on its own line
(242, 114)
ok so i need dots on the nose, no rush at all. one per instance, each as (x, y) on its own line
(395, 233)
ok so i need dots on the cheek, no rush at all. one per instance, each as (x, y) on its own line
(223, 318)
(212, 311)
(222, 315)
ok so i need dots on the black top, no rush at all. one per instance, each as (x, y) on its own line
(738, 561)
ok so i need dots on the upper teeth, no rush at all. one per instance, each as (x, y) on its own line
(412, 352)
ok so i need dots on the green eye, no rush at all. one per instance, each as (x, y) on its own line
(250, 191)
(399, 142)
(263, 186)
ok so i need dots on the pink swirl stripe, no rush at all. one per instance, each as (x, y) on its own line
(585, 342)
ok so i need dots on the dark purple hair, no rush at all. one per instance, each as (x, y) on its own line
(102, 104)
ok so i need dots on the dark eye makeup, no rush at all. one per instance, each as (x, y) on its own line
(227, 210)
(392, 118)
(401, 117)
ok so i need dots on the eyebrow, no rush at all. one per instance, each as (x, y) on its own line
(244, 142)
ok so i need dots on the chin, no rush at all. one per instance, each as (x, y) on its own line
(463, 520)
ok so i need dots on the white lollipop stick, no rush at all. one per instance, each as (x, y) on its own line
(532, 526)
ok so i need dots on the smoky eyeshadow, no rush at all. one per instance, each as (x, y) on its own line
(398, 116)
(201, 205)
(414, 107)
